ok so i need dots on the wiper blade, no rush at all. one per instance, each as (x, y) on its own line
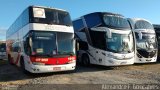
(66, 53)
(42, 55)
(71, 53)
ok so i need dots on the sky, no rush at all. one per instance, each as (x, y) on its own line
(148, 9)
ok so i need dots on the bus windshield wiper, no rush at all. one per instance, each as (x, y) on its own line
(66, 53)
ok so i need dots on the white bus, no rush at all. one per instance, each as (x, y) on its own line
(146, 42)
(157, 30)
(104, 38)
(42, 40)
(3, 50)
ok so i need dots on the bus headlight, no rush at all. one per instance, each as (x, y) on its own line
(72, 61)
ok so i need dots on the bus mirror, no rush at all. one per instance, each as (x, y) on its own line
(30, 41)
(27, 46)
(140, 35)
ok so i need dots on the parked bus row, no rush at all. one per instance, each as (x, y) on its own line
(43, 40)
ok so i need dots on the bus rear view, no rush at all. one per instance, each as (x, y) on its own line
(43, 42)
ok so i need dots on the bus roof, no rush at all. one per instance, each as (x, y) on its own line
(138, 19)
(36, 6)
(109, 13)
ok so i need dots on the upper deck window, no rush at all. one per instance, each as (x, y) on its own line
(50, 16)
(141, 24)
(116, 22)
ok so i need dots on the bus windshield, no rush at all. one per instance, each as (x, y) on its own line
(65, 43)
(52, 16)
(2, 47)
(148, 42)
(116, 22)
(120, 43)
(143, 25)
(52, 43)
(43, 43)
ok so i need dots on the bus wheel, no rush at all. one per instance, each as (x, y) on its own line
(9, 60)
(23, 66)
(85, 60)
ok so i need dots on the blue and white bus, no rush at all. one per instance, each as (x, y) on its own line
(104, 38)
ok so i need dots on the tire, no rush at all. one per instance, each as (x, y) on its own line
(85, 60)
(23, 67)
(9, 60)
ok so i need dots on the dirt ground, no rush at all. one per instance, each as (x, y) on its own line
(133, 74)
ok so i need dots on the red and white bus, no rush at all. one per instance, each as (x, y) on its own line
(42, 40)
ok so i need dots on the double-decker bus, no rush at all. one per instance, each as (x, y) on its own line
(146, 42)
(157, 30)
(104, 38)
(42, 40)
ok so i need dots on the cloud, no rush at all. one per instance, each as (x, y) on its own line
(3, 33)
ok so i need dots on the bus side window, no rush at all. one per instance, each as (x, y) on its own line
(27, 48)
(16, 47)
(136, 35)
(83, 45)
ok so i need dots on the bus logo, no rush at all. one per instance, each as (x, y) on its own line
(39, 12)
(124, 56)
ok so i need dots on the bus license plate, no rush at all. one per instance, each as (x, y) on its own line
(56, 68)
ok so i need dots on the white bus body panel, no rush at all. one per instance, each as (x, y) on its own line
(105, 58)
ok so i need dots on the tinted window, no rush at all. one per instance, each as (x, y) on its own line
(117, 22)
(65, 44)
(44, 43)
(20, 22)
(53, 17)
(2, 47)
(141, 24)
(78, 24)
(92, 20)
(98, 39)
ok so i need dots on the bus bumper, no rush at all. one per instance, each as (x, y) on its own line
(51, 68)
(115, 62)
(146, 60)
(3, 57)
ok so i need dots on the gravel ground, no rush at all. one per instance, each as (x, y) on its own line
(134, 74)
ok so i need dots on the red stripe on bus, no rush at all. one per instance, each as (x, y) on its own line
(53, 61)
(18, 58)
(12, 61)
